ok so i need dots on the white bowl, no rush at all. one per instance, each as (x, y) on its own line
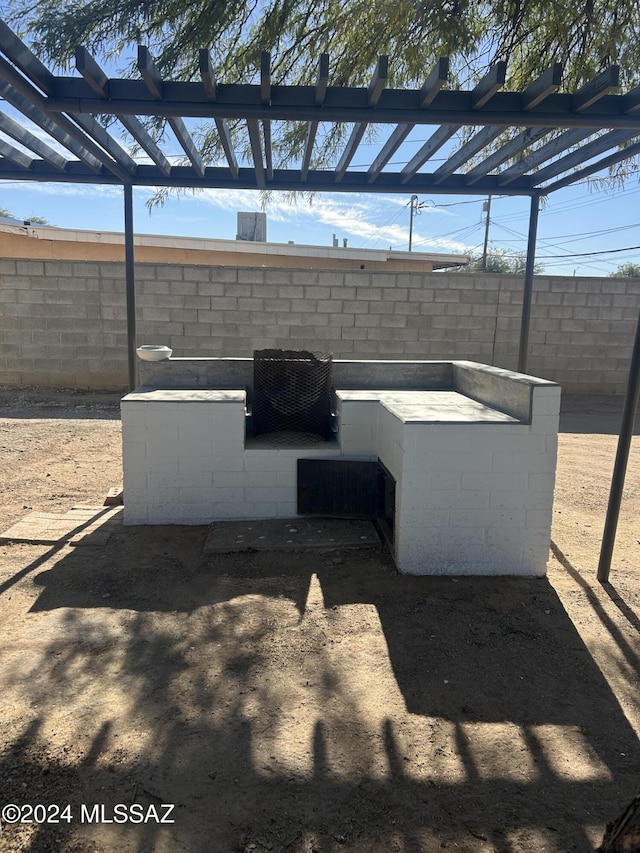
(154, 352)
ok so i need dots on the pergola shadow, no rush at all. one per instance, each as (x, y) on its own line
(312, 701)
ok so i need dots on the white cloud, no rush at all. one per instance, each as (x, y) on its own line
(364, 219)
(356, 215)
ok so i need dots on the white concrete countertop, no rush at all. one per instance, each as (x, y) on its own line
(407, 406)
(179, 395)
(430, 406)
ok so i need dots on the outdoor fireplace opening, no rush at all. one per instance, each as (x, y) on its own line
(292, 394)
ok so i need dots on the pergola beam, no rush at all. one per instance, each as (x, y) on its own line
(141, 136)
(605, 163)
(210, 85)
(585, 152)
(542, 154)
(153, 79)
(596, 89)
(15, 155)
(322, 180)
(268, 149)
(28, 140)
(207, 74)
(547, 84)
(312, 128)
(434, 82)
(489, 85)
(24, 59)
(91, 72)
(390, 147)
(265, 97)
(256, 153)
(477, 142)
(506, 152)
(442, 135)
(60, 129)
(376, 87)
(342, 104)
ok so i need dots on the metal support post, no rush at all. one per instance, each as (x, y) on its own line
(130, 284)
(622, 457)
(528, 284)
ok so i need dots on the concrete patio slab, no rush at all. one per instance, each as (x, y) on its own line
(293, 534)
(81, 525)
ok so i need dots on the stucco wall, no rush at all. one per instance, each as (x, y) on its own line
(62, 323)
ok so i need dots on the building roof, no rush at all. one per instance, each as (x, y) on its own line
(65, 243)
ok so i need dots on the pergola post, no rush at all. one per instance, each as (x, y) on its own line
(622, 457)
(528, 284)
(130, 284)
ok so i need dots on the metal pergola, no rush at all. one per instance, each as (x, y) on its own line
(529, 143)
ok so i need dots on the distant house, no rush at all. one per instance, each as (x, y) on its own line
(20, 240)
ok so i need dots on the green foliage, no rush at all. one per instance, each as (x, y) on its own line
(500, 262)
(587, 36)
(33, 220)
(628, 270)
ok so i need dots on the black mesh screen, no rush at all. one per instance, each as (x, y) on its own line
(291, 392)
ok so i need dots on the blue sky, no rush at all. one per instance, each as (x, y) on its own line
(573, 222)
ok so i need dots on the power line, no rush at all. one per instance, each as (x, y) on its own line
(589, 254)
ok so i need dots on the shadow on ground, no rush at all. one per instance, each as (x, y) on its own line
(67, 404)
(592, 415)
(306, 702)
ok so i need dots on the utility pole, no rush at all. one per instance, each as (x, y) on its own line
(412, 212)
(416, 207)
(486, 207)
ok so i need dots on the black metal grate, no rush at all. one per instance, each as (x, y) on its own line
(291, 392)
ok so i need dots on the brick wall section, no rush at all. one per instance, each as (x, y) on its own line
(63, 323)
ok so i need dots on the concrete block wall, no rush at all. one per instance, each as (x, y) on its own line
(63, 323)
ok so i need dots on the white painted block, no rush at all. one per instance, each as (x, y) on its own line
(358, 447)
(162, 464)
(495, 481)
(466, 463)
(133, 418)
(521, 499)
(202, 449)
(287, 509)
(275, 494)
(188, 433)
(233, 479)
(193, 480)
(287, 479)
(160, 433)
(545, 404)
(256, 460)
(545, 424)
(544, 482)
(223, 447)
(228, 494)
(196, 500)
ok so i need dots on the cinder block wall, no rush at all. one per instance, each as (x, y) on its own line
(63, 323)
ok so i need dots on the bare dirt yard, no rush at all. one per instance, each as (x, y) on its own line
(307, 702)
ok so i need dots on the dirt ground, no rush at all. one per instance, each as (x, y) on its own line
(316, 702)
